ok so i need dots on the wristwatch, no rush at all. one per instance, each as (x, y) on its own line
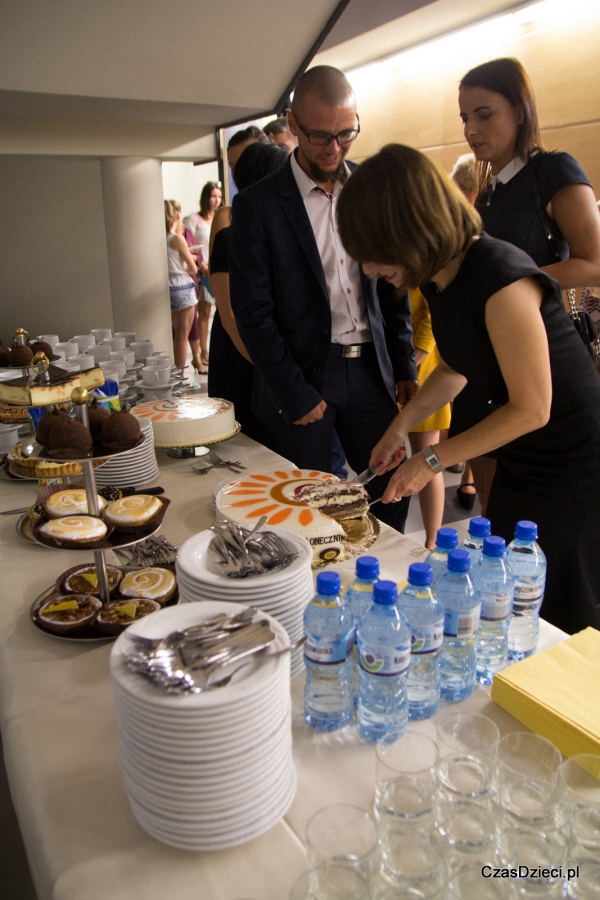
(432, 460)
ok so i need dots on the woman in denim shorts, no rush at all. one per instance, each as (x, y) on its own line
(182, 289)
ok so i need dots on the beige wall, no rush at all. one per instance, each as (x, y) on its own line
(419, 106)
(53, 260)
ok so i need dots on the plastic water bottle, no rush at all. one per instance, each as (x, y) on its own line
(446, 540)
(384, 658)
(425, 614)
(528, 564)
(494, 578)
(462, 607)
(359, 598)
(479, 528)
(328, 703)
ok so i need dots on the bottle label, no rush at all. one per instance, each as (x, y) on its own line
(496, 607)
(329, 650)
(462, 625)
(427, 638)
(529, 592)
(388, 661)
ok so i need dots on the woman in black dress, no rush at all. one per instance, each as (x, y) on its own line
(539, 201)
(500, 325)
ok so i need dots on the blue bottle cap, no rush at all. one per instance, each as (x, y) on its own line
(447, 538)
(459, 560)
(480, 527)
(385, 592)
(420, 573)
(526, 531)
(494, 546)
(367, 567)
(328, 583)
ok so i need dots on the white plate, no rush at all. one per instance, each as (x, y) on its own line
(249, 681)
(197, 560)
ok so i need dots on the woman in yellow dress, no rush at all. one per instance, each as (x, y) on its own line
(428, 432)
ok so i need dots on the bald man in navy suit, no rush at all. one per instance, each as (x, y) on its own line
(331, 348)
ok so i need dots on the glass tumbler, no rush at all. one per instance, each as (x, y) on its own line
(344, 834)
(468, 745)
(528, 768)
(330, 881)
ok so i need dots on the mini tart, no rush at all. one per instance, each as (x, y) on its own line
(68, 615)
(115, 617)
(83, 580)
(135, 513)
(110, 493)
(69, 503)
(73, 531)
(153, 584)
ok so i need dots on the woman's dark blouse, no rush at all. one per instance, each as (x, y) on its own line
(550, 476)
(510, 213)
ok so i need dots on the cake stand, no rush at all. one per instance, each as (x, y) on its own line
(199, 448)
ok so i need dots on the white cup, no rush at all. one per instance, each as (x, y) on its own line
(115, 343)
(52, 339)
(101, 334)
(84, 341)
(128, 357)
(142, 349)
(83, 360)
(128, 335)
(70, 366)
(69, 348)
(101, 354)
(114, 365)
(160, 362)
(155, 376)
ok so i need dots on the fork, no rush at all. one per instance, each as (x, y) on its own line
(216, 459)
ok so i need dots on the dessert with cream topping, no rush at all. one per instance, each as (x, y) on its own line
(188, 421)
(115, 617)
(69, 503)
(340, 500)
(151, 583)
(68, 615)
(73, 531)
(134, 513)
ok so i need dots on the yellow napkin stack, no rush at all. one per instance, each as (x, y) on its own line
(556, 693)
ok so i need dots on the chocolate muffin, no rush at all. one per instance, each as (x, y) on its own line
(20, 356)
(121, 431)
(69, 439)
(97, 416)
(46, 423)
(4, 356)
(42, 347)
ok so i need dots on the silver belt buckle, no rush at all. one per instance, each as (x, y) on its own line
(351, 351)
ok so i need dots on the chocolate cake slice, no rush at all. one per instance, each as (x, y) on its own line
(339, 500)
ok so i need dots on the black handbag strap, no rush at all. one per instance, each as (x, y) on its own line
(542, 212)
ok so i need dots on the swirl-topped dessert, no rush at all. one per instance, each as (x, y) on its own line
(73, 530)
(133, 513)
(69, 503)
(188, 421)
(152, 583)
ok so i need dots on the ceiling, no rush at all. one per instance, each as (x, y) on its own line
(149, 78)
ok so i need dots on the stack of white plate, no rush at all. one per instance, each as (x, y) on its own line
(133, 467)
(282, 593)
(211, 770)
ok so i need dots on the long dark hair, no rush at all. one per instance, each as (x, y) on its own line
(507, 76)
(205, 197)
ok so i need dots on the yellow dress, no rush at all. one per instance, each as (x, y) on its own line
(423, 340)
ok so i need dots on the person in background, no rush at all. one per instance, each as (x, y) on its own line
(590, 302)
(199, 224)
(240, 140)
(542, 202)
(182, 290)
(231, 375)
(430, 430)
(329, 350)
(194, 335)
(500, 324)
(278, 133)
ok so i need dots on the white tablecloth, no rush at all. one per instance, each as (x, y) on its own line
(61, 746)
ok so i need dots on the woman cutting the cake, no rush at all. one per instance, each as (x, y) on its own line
(499, 324)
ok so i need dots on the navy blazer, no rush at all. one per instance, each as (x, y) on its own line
(281, 303)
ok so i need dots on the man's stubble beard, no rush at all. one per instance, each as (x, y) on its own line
(322, 177)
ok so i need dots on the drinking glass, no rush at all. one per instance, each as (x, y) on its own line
(580, 779)
(330, 881)
(468, 833)
(538, 859)
(344, 834)
(529, 768)
(472, 884)
(468, 745)
(583, 878)
(412, 861)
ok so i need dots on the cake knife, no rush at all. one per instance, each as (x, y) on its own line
(365, 476)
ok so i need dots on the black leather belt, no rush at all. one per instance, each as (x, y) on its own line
(352, 351)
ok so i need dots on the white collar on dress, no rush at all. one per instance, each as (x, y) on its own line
(509, 171)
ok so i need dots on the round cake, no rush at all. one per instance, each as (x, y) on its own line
(74, 531)
(275, 494)
(188, 421)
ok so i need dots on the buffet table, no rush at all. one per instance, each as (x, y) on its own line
(61, 746)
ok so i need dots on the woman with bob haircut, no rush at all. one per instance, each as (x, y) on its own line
(500, 325)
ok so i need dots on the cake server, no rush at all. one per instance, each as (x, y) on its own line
(365, 476)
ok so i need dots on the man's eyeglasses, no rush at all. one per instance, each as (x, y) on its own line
(323, 138)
